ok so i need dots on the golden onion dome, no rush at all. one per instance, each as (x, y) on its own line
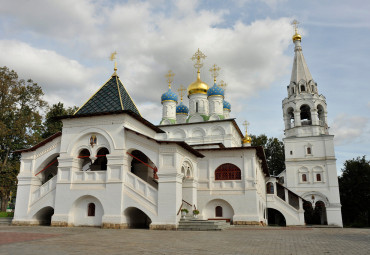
(247, 139)
(198, 87)
(297, 37)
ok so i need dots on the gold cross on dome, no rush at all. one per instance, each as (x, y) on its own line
(214, 72)
(246, 124)
(295, 24)
(170, 76)
(198, 56)
(181, 91)
(223, 84)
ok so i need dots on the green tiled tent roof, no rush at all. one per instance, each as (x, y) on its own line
(111, 97)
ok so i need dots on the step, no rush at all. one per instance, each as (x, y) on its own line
(202, 225)
(6, 221)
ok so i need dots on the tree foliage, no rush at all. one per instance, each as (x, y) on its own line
(274, 151)
(354, 188)
(20, 125)
(52, 125)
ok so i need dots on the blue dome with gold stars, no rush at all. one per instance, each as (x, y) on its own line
(169, 96)
(215, 91)
(227, 105)
(182, 109)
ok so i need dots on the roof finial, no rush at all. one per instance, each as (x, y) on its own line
(113, 57)
(181, 91)
(247, 139)
(296, 36)
(214, 72)
(198, 56)
(170, 76)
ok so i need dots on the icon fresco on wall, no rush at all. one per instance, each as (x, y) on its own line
(93, 140)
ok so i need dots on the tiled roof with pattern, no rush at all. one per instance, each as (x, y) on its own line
(108, 99)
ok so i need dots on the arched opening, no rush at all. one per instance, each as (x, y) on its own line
(218, 211)
(196, 107)
(270, 188)
(275, 218)
(228, 172)
(318, 177)
(86, 211)
(320, 115)
(50, 170)
(308, 212)
(144, 168)
(305, 115)
(100, 164)
(137, 218)
(290, 113)
(303, 88)
(91, 209)
(319, 214)
(85, 161)
(44, 215)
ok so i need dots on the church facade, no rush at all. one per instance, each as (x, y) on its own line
(110, 167)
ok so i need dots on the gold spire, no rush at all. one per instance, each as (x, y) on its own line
(214, 72)
(247, 138)
(296, 36)
(113, 57)
(181, 91)
(198, 87)
(170, 76)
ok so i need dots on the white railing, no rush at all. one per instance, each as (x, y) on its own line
(44, 189)
(89, 176)
(141, 187)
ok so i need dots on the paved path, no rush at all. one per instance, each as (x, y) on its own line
(238, 240)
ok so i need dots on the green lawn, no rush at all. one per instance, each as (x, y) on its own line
(6, 214)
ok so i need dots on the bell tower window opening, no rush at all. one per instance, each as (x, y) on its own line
(303, 89)
(305, 115)
(227, 172)
(320, 114)
(218, 211)
(91, 210)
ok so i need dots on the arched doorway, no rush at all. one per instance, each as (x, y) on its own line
(44, 215)
(86, 211)
(143, 167)
(218, 209)
(275, 218)
(319, 214)
(100, 164)
(49, 170)
(308, 213)
(136, 218)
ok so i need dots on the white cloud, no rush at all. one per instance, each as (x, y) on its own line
(350, 129)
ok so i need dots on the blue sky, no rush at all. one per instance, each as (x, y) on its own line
(64, 46)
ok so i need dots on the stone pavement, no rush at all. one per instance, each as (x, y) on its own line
(238, 240)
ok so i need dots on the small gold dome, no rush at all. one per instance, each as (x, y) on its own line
(198, 87)
(297, 37)
(247, 139)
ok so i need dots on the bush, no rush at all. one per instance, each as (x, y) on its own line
(6, 214)
(195, 212)
(184, 210)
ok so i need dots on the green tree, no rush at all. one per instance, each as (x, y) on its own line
(274, 151)
(354, 189)
(20, 125)
(52, 125)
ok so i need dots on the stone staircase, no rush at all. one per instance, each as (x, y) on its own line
(202, 225)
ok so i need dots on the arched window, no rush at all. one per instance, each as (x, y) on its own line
(218, 210)
(270, 188)
(101, 161)
(304, 177)
(91, 209)
(228, 172)
(318, 177)
(85, 161)
(309, 150)
(196, 107)
(303, 89)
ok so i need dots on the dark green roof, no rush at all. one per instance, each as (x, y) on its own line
(112, 96)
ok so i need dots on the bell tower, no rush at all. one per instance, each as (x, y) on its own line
(309, 148)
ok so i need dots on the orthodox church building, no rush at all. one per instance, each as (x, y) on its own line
(112, 168)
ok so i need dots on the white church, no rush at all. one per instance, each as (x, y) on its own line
(111, 168)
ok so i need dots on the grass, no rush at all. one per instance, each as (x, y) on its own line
(6, 214)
